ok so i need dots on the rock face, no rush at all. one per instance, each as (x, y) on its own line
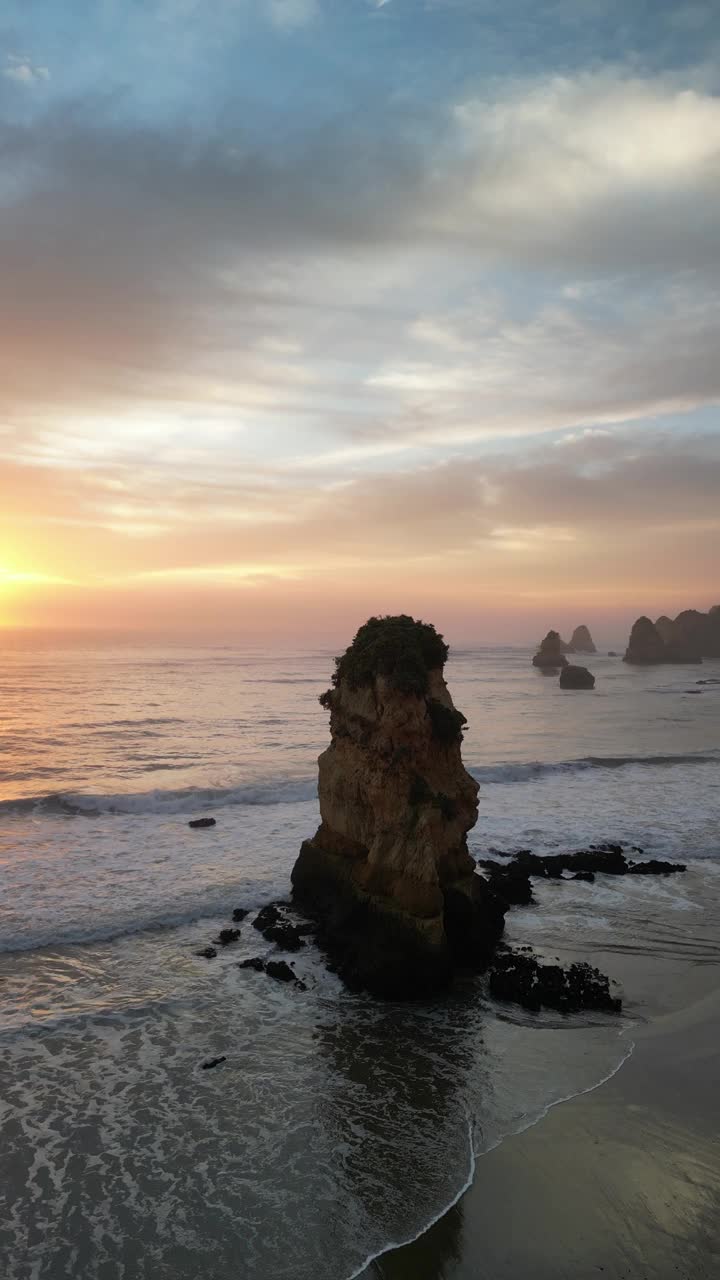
(576, 678)
(645, 645)
(582, 641)
(605, 859)
(388, 876)
(691, 637)
(697, 634)
(551, 652)
(664, 626)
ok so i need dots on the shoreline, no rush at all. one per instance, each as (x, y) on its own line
(369, 1267)
(620, 1180)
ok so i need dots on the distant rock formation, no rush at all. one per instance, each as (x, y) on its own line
(697, 633)
(664, 627)
(690, 637)
(645, 645)
(576, 678)
(582, 641)
(388, 876)
(551, 652)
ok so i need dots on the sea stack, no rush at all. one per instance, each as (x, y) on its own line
(645, 645)
(692, 636)
(665, 629)
(388, 876)
(550, 655)
(684, 640)
(582, 641)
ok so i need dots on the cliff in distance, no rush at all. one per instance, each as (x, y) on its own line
(388, 876)
(697, 633)
(690, 637)
(645, 645)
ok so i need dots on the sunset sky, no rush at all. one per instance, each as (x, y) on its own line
(312, 309)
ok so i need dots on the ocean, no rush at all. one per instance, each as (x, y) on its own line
(336, 1127)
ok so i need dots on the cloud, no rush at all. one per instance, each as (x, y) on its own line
(481, 372)
(23, 71)
(598, 168)
(210, 508)
(542, 259)
(288, 15)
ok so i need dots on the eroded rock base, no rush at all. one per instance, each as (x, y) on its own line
(394, 955)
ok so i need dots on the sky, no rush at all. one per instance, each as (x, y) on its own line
(316, 309)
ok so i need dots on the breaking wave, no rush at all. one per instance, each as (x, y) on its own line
(186, 800)
(300, 790)
(535, 769)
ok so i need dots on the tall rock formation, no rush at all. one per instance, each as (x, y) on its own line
(665, 627)
(688, 638)
(551, 653)
(712, 649)
(582, 641)
(388, 875)
(645, 645)
(692, 635)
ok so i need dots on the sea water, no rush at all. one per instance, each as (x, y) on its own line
(336, 1126)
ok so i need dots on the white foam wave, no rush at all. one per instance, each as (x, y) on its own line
(185, 800)
(534, 770)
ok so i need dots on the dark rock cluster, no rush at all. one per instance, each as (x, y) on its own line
(280, 970)
(609, 859)
(275, 926)
(226, 936)
(525, 980)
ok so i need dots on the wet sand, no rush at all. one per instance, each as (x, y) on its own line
(621, 1183)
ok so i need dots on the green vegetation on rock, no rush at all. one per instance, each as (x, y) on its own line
(399, 649)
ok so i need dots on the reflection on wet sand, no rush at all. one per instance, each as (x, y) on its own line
(402, 1086)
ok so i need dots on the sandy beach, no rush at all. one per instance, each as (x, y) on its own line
(622, 1182)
